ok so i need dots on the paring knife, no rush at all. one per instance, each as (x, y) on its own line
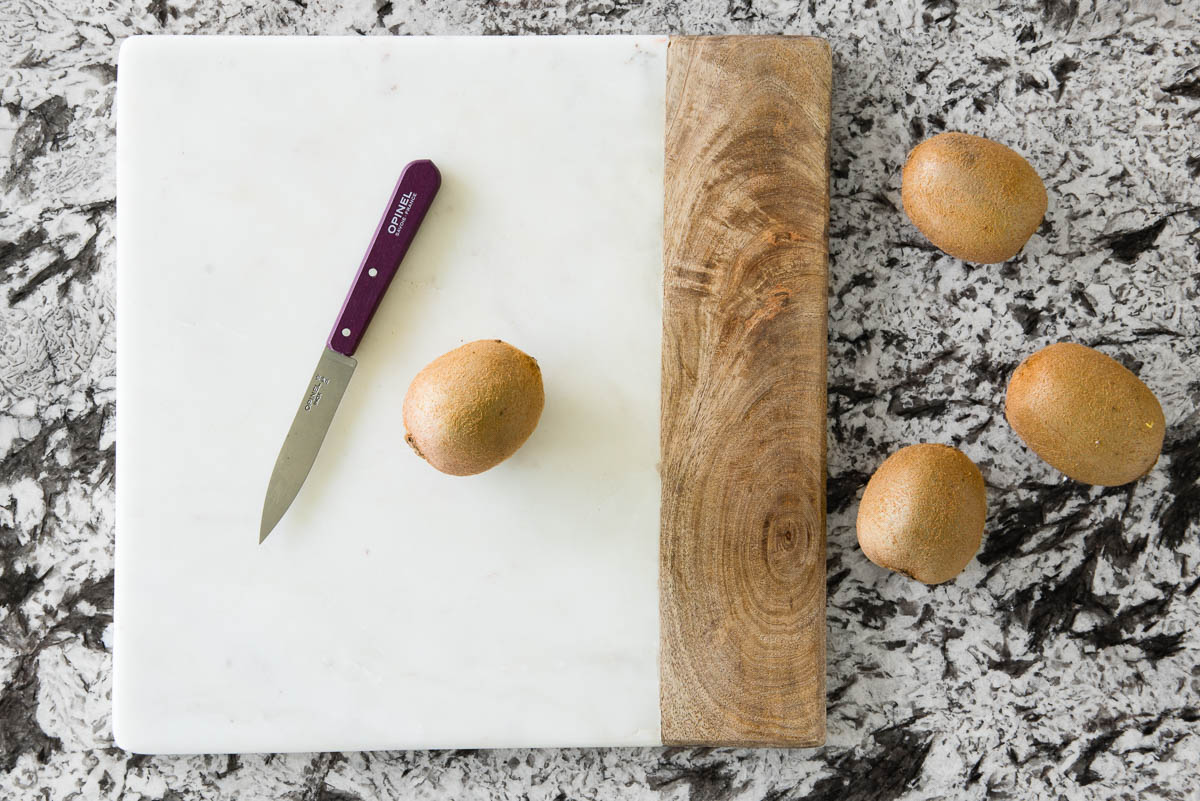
(414, 193)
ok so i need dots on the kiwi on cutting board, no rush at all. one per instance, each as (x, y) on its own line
(470, 409)
(1085, 414)
(922, 512)
(974, 198)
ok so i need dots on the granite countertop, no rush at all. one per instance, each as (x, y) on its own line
(1061, 664)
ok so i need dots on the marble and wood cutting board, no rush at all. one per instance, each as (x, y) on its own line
(648, 218)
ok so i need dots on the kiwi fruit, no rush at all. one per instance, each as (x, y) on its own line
(470, 409)
(922, 513)
(1085, 414)
(971, 197)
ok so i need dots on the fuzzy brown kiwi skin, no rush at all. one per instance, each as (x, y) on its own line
(412, 443)
(971, 197)
(922, 513)
(472, 408)
(1085, 414)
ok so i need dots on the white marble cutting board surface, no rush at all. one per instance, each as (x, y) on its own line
(393, 607)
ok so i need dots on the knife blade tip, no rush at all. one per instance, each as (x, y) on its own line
(265, 528)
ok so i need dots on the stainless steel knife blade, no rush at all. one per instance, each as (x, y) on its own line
(303, 442)
(410, 200)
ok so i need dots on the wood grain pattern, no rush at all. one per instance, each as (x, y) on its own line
(742, 548)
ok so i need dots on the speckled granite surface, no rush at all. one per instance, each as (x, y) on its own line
(1061, 664)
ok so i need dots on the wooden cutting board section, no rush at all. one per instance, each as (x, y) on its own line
(742, 549)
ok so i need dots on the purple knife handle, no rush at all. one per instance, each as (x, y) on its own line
(414, 193)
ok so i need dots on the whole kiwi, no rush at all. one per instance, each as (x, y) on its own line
(974, 198)
(470, 409)
(1085, 414)
(922, 512)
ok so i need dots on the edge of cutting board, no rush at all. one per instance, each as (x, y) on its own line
(745, 256)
